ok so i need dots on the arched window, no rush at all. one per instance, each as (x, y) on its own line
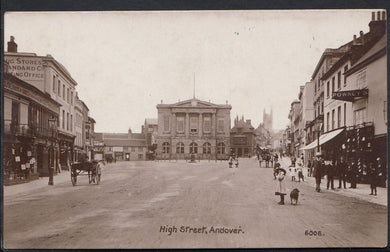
(221, 148)
(165, 147)
(206, 148)
(193, 148)
(179, 148)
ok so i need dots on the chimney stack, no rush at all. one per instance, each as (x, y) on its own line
(12, 46)
(373, 16)
(383, 15)
(354, 40)
(378, 15)
(362, 37)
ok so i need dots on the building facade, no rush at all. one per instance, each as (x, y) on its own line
(243, 138)
(30, 142)
(193, 127)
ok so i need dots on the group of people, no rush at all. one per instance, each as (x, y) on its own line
(233, 160)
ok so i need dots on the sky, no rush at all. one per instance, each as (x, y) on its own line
(125, 63)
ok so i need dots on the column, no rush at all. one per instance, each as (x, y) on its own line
(174, 123)
(200, 125)
(187, 125)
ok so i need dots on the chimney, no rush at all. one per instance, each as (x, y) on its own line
(362, 37)
(248, 121)
(383, 15)
(373, 16)
(378, 15)
(354, 40)
(12, 46)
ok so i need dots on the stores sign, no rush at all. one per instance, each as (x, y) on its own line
(25, 68)
(349, 95)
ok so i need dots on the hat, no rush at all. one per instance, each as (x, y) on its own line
(281, 170)
(318, 154)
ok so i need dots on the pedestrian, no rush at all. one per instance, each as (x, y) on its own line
(329, 168)
(230, 161)
(302, 158)
(352, 174)
(293, 161)
(310, 168)
(276, 166)
(300, 173)
(373, 177)
(280, 185)
(318, 170)
(341, 172)
(236, 162)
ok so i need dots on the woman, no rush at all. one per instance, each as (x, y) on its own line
(280, 184)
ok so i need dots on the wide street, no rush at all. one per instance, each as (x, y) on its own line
(137, 201)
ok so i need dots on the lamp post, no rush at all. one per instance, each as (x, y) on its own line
(53, 127)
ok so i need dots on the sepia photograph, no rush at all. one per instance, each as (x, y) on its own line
(195, 129)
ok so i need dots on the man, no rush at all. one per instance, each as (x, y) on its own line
(330, 174)
(318, 170)
(340, 165)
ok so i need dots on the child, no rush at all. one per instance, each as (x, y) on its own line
(280, 185)
(236, 163)
(300, 174)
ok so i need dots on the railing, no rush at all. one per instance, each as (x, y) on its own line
(17, 129)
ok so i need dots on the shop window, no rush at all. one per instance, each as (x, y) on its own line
(180, 148)
(165, 147)
(15, 113)
(206, 148)
(193, 148)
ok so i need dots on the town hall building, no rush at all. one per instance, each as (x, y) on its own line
(193, 127)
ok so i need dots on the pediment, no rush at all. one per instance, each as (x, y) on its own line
(194, 103)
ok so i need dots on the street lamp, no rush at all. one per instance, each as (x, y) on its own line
(53, 128)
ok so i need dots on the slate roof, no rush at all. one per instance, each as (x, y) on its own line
(125, 142)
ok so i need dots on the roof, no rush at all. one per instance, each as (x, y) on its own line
(198, 104)
(125, 142)
(138, 136)
(115, 135)
(378, 50)
(245, 126)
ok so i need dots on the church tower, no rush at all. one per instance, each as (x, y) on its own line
(267, 120)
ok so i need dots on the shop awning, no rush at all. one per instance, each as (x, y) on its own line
(323, 139)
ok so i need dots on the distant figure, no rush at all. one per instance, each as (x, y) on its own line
(280, 186)
(300, 173)
(318, 170)
(236, 162)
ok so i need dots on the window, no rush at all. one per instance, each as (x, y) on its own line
(63, 91)
(165, 147)
(221, 125)
(193, 124)
(133, 149)
(322, 107)
(327, 121)
(345, 77)
(315, 88)
(339, 80)
(206, 148)
(221, 148)
(67, 121)
(338, 116)
(71, 97)
(59, 88)
(180, 148)
(360, 116)
(63, 119)
(361, 79)
(67, 95)
(140, 156)
(333, 83)
(333, 119)
(71, 122)
(140, 149)
(345, 114)
(193, 148)
(15, 113)
(180, 124)
(327, 89)
(166, 123)
(207, 124)
(54, 84)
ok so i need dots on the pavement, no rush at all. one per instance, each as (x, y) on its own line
(361, 192)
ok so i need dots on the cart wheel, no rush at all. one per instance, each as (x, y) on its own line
(73, 179)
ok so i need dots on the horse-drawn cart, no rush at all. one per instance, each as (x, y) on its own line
(87, 168)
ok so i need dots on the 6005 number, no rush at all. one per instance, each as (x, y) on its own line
(313, 233)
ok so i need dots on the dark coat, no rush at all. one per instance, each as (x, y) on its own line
(318, 166)
(330, 170)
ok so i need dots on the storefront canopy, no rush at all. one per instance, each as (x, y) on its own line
(323, 139)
